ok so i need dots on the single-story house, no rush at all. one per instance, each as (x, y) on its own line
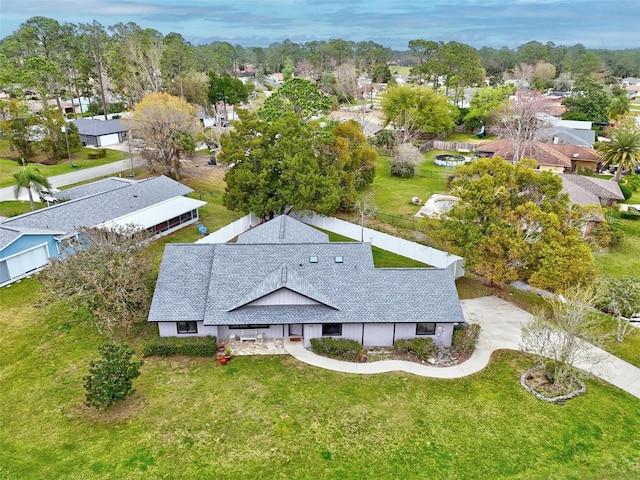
(29, 241)
(548, 158)
(554, 157)
(285, 279)
(589, 191)
(100, 133)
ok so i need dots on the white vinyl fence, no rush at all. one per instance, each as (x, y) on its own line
(415, 251)
(232, 230)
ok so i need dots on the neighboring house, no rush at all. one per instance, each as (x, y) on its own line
(554, 157)
(100, 133)
(582, 158)
(284, 279)
(28, 241)
(548, 158)
(589, 191)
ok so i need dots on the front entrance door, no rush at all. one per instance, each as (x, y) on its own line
(295, 330)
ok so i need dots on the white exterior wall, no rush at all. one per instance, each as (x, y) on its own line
(271, 331)
(442, 337)
(351, 331)
(400, 246)
(284, 296)
(170, 329)
(378, 335)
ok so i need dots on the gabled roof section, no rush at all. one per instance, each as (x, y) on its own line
(584, 190)
(543, 153)
(8, 235)
(100, 208)
(284, 277)
(93, 188)
(183, 283)
(283, 229)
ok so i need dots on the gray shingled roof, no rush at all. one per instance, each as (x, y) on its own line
(210, 282)
(96, 128)
(570, 136)
(93, 188)
(283, 229)
(584, 190)
(96, 209)
(9, 235)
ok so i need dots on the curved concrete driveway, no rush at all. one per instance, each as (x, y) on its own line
(501, 323)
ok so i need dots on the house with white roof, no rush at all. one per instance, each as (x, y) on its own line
(29, 241)
(285, 279)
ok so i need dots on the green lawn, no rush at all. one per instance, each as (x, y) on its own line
(80, 159)
(393, 194)
(468, 138)
(624, 259)
(273, 417)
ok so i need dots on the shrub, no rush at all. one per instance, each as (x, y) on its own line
(110, 378)
(421, 348)
(402, 169)
(192, 346)
(465, 339)
(626, 191)
(631, 214)
(340, 348)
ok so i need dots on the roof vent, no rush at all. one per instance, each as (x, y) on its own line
(313, 259)
(338, 259)
(576, 155)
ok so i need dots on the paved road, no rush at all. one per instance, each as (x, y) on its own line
(501, 323)
(80, 175)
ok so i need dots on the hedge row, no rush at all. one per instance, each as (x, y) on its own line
(340, 348)
(422, 348)
(192, 346)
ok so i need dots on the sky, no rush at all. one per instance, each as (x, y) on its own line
(611, 24)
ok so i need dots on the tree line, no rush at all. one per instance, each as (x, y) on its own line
(125, 61)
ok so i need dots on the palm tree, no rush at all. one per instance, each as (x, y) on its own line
(623, 150)
(29, 177)
(619, 106)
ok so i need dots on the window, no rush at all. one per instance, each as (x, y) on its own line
(313, 259)
(187, 327)
(339, 259)
(331, 329)
(426, 328)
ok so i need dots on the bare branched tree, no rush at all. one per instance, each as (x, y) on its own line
(561, 342)
(521, 121)
(365, 208)
(108, 272)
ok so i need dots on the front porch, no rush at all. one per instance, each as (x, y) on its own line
(264, 346)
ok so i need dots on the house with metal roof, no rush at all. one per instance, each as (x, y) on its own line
(29, 241)
(285, 279)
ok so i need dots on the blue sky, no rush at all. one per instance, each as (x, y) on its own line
(609, 24)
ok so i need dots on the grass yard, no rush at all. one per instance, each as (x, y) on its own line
(8, 167)
(273, 417)
(393, 194)
(624, 259)
(468, 138)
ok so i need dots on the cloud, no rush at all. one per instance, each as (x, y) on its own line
(494, 23)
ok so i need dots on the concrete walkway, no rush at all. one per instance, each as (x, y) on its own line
(80, 175)
(501, 323)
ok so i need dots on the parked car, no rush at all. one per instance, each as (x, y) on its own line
(47, 195)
